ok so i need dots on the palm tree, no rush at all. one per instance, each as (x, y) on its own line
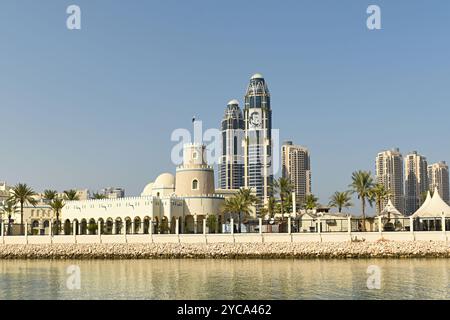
(23, 195)
(8, 208)
(362, 184)
(311, 202)
(379, 194)
(57, 205)
(71, 195)
(340, 200)
(49, 195)
(98, 196)
(231, 206)
(240, 204)
(248, 196)
(248, 201)
(283, 187)
(269, 209)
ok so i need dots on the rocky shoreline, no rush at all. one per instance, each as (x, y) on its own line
(349, 250)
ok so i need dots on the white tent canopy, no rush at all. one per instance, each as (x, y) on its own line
(433, 207)
(391, 210)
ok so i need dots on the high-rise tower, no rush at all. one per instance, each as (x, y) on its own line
(231, 163)
(389, 171)
(295, 161)
(416, 181)
(258, 171)
(438, 177)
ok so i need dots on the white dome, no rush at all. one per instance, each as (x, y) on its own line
(165, 180)
(257, 76)
(147, 190)
(233, 102)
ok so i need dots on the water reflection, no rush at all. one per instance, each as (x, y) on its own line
(225, 279)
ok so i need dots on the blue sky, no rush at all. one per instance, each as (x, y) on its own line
(96, 107)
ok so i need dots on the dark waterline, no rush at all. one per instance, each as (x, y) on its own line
(226, 279)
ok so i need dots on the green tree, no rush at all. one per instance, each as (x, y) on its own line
(282, 187)
(71, 195)
(57, 205)
(362, 184)
(211, 223)
(98, 196)
(340, 200)
(269, 208)
(379, 194)
(163, 226)
(49, 195)
(311, 202)
(240, 204)
(23, 195)
(8, 208)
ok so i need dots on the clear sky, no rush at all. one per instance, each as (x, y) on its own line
(96, 107)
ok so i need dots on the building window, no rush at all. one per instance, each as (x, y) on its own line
(195, 155)
(195, 184)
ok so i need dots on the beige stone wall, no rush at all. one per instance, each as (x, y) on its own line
(229, 238)
(203, 206)
(185, 178)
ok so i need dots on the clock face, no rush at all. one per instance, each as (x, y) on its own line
(255, 119)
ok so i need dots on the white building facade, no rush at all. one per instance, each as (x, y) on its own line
(182, 201)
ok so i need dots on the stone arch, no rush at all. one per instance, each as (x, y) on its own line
(146, 225)
(46, 226)
(137, 225)
(77, 226)
(200, 219)
(173, 225)
(109, 226)
(189, 224)
(128, 225)
(102, 226)
(35, 227)
(67, 227)
(155, 225)
(92, 227)
(195, 184)
(119, 225)
(164, 225)
(83, 227)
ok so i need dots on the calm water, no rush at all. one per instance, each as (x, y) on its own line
(225, 279)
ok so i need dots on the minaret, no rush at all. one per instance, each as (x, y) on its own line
(258, 138)
(194, 177)
(231, 163)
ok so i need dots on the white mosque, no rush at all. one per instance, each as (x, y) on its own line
(189, 197)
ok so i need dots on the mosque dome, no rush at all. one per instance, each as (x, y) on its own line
(164, 185)
(147, 190)
(165, 180)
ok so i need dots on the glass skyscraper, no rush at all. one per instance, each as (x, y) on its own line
(231, 165)
(258, 172)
